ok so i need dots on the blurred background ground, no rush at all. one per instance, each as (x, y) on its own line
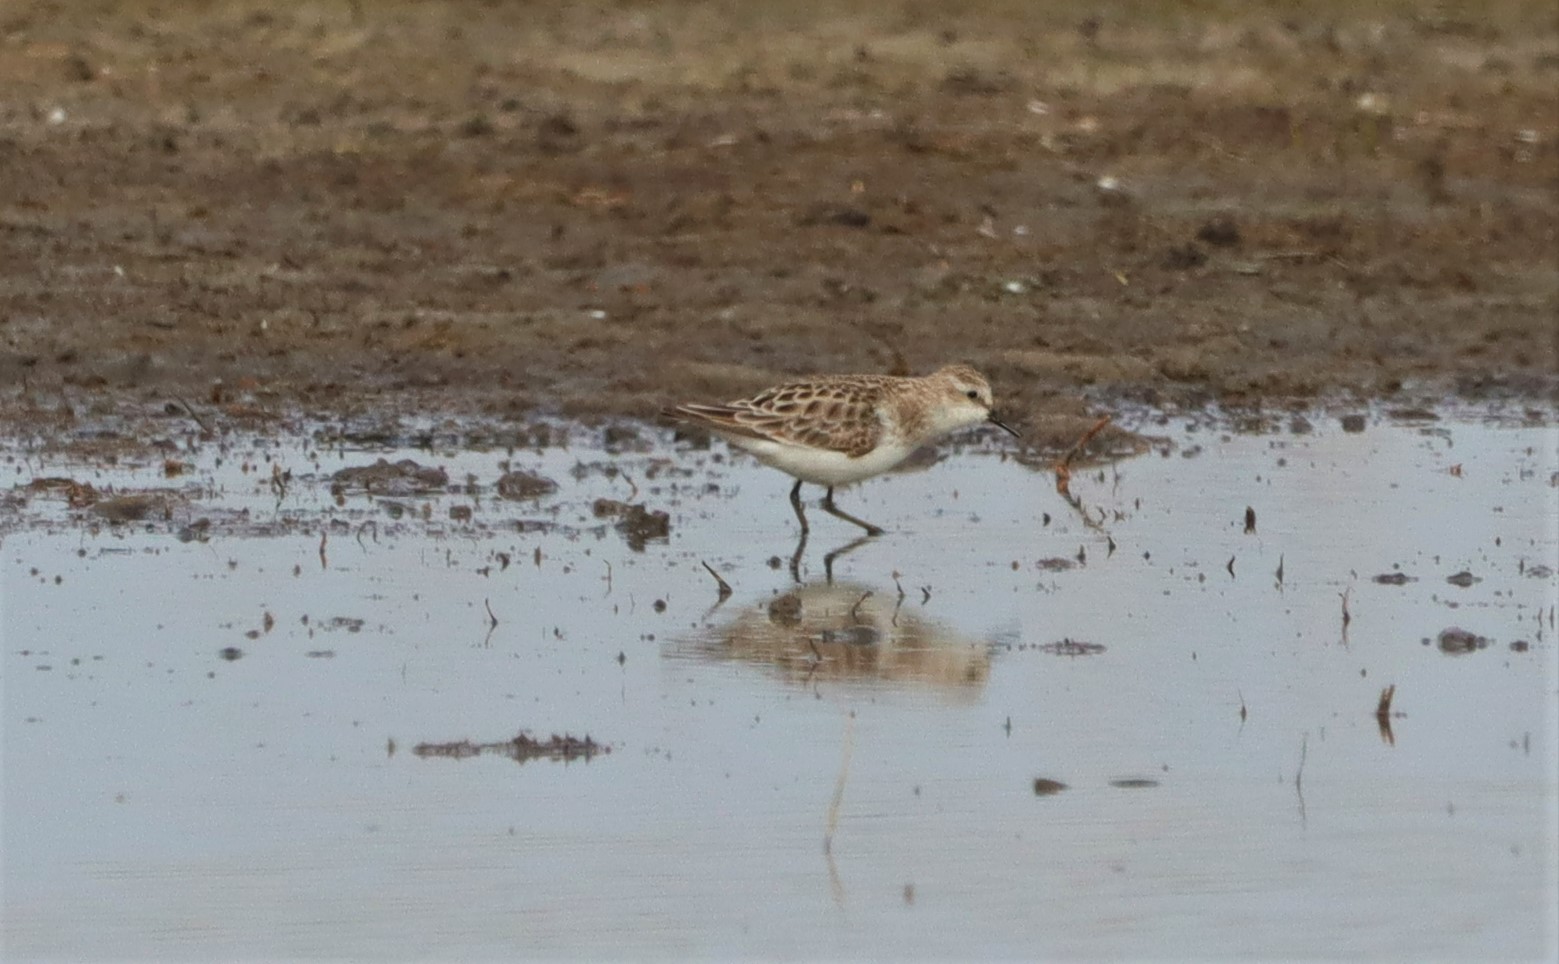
(595, 207)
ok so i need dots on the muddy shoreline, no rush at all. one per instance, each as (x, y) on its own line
(496, 210)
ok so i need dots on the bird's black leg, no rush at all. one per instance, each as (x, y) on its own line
(831, 509)
(795, 503)
(801, 543)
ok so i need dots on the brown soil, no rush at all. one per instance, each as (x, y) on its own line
(595, 207)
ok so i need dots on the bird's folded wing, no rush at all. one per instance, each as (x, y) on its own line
(851, 437)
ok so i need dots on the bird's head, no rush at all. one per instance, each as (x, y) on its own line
(966, 399)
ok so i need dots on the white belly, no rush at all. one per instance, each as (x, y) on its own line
(821, 466)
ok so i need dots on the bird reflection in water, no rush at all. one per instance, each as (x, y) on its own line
(848, 632)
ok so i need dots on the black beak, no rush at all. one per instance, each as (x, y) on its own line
(991, 417)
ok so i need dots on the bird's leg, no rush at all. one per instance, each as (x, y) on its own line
(801, 543)
(795, 503)
(831, 509)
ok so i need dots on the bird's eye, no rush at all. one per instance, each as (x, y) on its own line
(974, 396)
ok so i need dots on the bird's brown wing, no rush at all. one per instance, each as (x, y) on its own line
(838, 415)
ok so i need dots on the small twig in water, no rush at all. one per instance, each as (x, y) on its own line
(490, 614)
(1304, 751)
(1383, 714)
(1063, 469)
(194, 414)
(725, 587)
(279, 481)
(1064, 464)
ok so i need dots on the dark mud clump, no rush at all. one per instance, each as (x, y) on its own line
(522, 749)
(649, 219)
(384, 477)
(1044, 787)
(1072, 647)
(136, 507)
(197, 531)
(520, 486)
(623, 438)
(637, 524)
(1459, 642)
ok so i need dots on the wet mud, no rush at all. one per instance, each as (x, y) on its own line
(230, 210)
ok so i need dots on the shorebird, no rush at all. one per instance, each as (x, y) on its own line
(833, 430)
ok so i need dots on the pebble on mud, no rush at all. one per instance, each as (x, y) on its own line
(828, 212)
(1352, 423)
(619, 438)
(405, 477)
(1220, 231)
(1183, 257)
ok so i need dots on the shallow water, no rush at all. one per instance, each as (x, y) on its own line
(210, 733)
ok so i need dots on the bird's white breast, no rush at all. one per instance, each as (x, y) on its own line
(824, 466)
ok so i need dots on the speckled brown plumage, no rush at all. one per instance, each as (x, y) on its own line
(835, 412)
(839, 429)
